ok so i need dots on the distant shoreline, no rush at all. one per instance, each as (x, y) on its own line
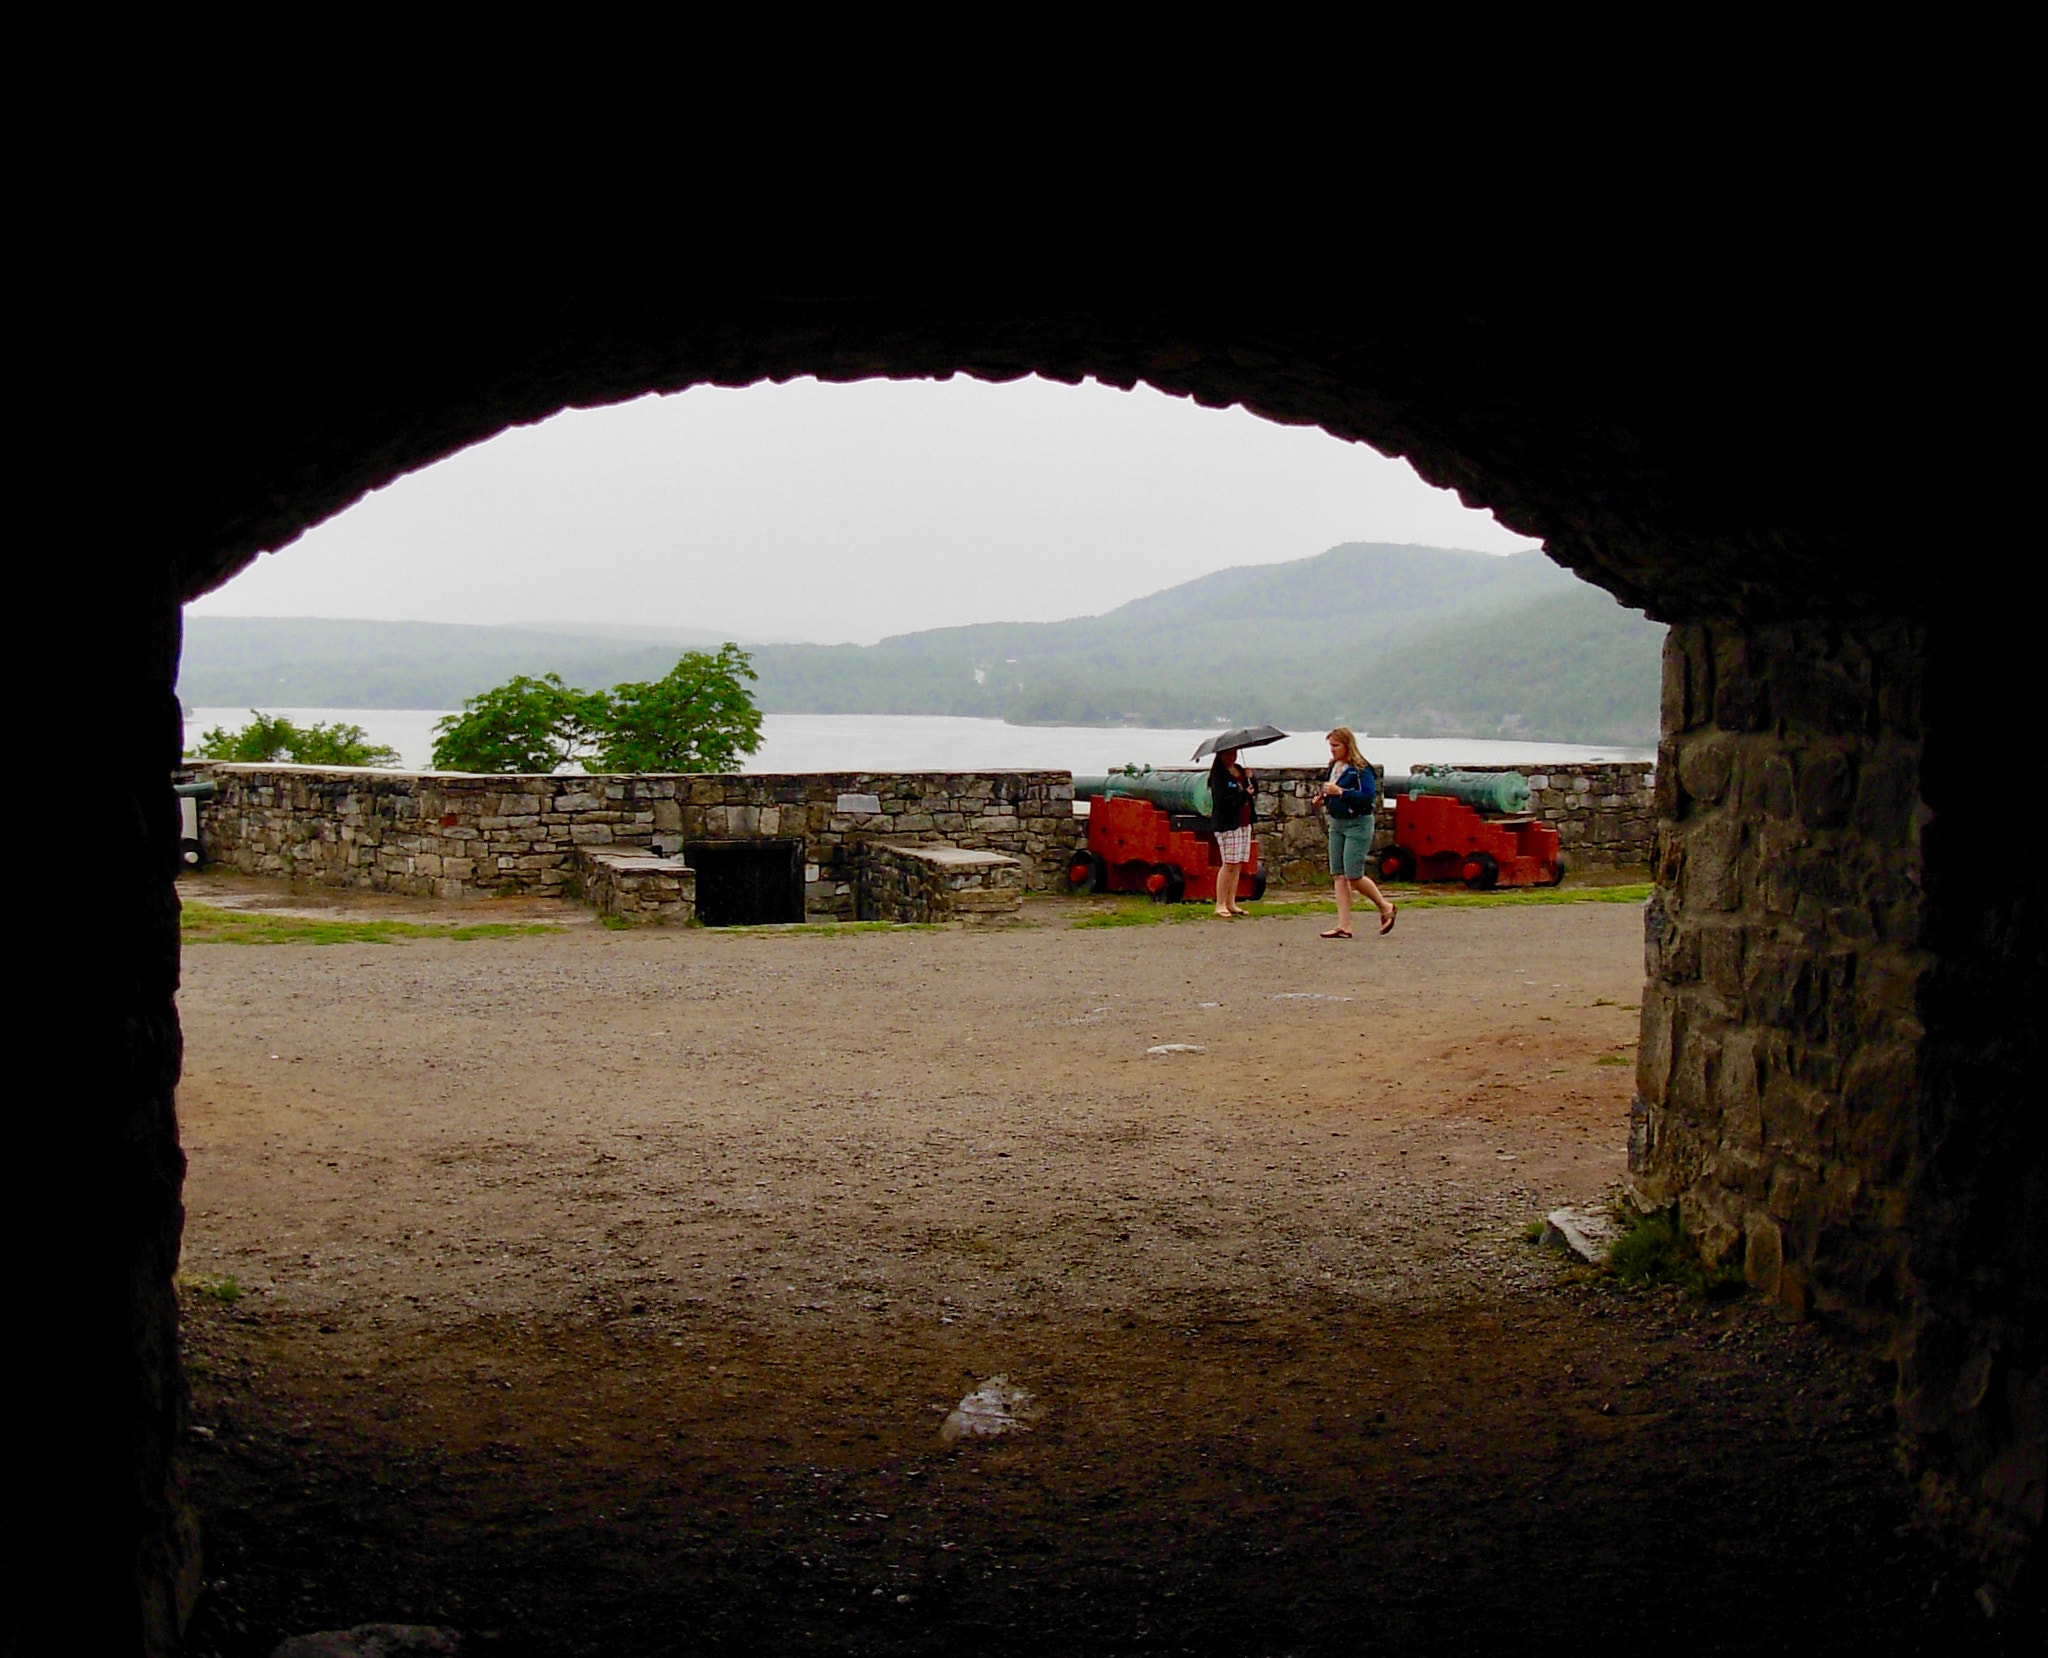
(938, 742)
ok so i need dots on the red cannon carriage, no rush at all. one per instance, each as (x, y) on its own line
(1150, 834)
(1444, 831)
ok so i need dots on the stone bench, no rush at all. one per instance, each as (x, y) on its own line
(899, 882)
(641, 888)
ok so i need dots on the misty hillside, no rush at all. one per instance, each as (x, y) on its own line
(1391, 638)
(306, 662)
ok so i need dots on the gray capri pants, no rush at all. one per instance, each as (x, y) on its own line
(1350, 845)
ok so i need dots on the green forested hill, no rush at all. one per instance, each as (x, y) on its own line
(1390, 638)
(1568, 667)
(307, 662)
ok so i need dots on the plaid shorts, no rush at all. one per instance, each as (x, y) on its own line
(1234, 846)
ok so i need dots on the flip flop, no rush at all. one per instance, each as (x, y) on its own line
(1387, 926)
(1338, 932)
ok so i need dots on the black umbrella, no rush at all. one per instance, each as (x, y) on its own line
(1245, 736)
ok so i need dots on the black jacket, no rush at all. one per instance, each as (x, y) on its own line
(1231, 804)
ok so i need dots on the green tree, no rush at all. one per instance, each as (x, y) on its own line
(525, 725)
(268, 740)
(699, 716)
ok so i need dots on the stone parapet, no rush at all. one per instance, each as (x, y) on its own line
(937, 884)
(455, 835)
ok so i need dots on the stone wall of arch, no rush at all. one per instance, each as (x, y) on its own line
(1854, 1076)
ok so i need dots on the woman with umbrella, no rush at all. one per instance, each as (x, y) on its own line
(1232, 809)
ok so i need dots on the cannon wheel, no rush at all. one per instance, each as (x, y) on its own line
(1258, 888)
(1397, 863)
(1086, 872)
(1172, 883)
(1556, 877)
(1488, 868)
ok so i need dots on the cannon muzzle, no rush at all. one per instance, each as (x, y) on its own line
(1171, 791)
(1506, 792)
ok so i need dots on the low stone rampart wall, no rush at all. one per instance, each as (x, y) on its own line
(937, 883)
(451, 835)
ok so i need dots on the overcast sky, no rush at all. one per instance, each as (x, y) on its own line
(834, 512)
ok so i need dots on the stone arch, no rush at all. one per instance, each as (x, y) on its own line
(1841, 1016)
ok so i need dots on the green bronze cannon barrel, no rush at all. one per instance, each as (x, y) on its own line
(1171, 791)
(1506, 792)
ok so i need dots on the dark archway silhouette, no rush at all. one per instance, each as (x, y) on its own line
(1841, 1025)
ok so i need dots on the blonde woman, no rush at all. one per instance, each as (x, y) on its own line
(1347, 801)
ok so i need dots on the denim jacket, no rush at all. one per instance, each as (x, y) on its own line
(1359, 787)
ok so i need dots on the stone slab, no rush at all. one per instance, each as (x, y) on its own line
(953, 857)
(1587, 1233)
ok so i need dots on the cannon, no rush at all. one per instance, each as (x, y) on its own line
(1468, 826)
(189, 796)
(1505, 792)
(1172, 791)
(1148, 832)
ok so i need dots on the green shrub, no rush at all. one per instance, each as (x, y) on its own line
(528, 726)
(1655, 1250)
(270, 740)
(697, 717)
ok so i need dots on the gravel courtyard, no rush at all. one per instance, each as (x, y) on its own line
(606, 1292)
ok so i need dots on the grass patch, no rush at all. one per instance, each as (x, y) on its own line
(205, 924)
(1612, 1059)
(1654, 1250)
(1533, 1232)
(1143, 912)
(222, 1289)
(1452, 898)
(1634, 892)
(831, 929)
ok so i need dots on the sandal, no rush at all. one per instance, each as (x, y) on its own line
(1338, 932)
(1387, 926)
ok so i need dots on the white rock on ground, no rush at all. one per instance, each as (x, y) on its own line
(997, 1407)
(1585, 1232)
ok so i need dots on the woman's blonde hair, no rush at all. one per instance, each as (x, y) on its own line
(1352, 755)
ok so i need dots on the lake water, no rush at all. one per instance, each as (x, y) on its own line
(931, 742)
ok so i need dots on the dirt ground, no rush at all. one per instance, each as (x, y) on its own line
(605, 1292)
